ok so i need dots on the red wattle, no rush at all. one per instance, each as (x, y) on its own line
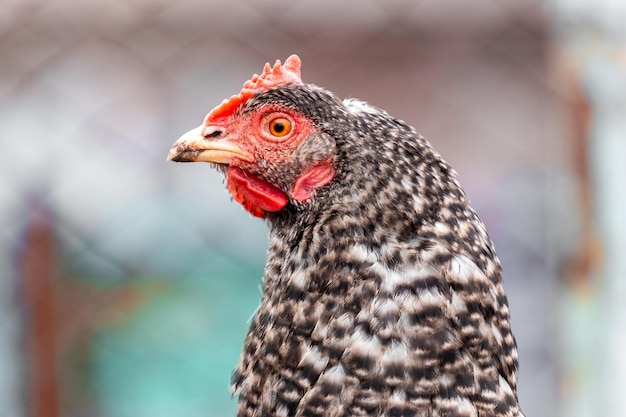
(256, 195)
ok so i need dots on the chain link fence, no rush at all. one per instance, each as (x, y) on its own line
(127, 282)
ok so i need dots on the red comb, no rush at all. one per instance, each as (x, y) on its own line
(287, 73)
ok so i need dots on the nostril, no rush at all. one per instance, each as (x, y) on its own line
(212, 132)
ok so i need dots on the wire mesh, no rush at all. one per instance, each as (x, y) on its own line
(151, 272)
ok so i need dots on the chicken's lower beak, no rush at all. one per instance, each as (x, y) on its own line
(194, 146)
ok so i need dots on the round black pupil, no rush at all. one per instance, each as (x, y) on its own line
(279, 127)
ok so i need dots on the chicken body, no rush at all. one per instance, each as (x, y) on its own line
(382, 293)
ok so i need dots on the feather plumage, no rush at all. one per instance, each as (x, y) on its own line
(382, 293)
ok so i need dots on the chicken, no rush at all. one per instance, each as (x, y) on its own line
(382, 293)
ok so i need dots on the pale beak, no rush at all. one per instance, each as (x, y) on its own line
(197, 146)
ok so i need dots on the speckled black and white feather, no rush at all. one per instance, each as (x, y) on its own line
(382, 294)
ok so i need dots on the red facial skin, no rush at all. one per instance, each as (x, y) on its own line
(249, 144)
(252, 133)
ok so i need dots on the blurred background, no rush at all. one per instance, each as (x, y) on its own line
(127, 282)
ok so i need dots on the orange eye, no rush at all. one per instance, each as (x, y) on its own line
(279, 127)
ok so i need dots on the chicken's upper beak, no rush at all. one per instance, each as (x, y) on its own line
(197, 146)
